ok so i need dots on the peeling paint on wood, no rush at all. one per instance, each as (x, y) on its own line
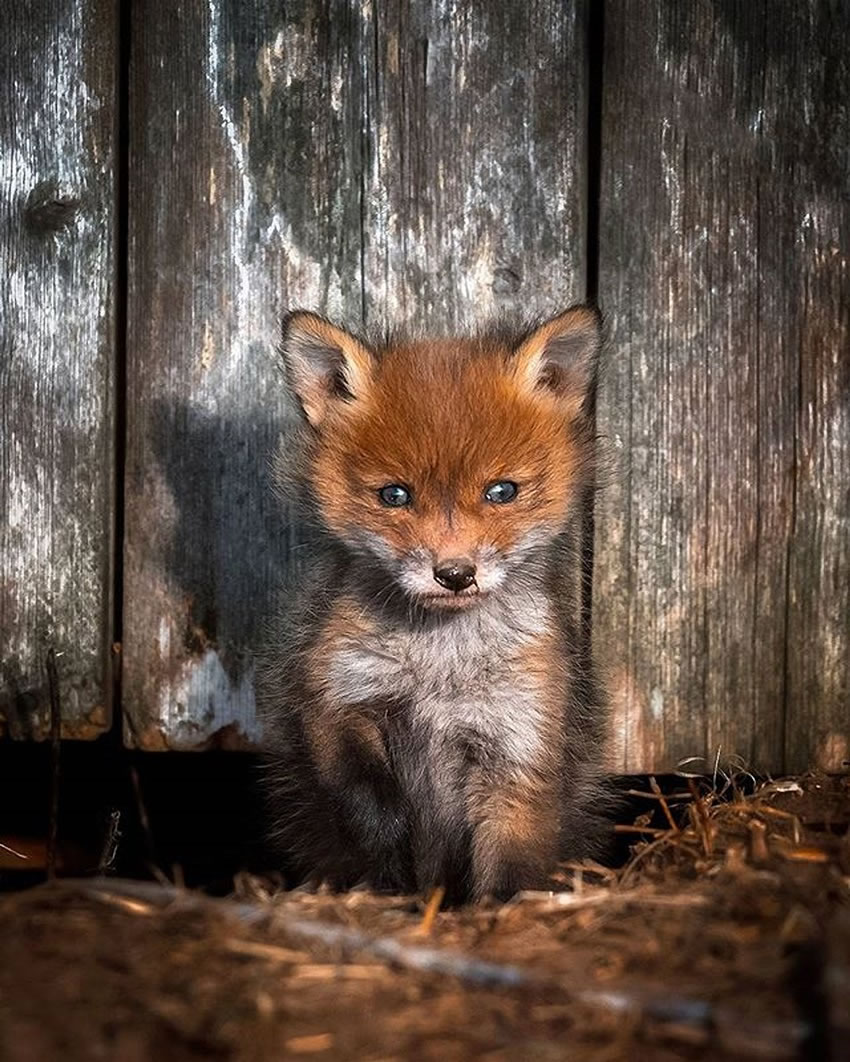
(372, 160)
(57, 263)
(721, 565)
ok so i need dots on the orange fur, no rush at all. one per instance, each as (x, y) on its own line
(447, 419)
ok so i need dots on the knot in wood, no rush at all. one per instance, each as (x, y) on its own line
(48, 210)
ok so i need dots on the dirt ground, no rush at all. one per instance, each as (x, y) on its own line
(725, 936)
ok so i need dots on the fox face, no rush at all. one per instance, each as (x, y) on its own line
(450, 465)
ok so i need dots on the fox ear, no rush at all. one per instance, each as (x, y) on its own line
(562, 354)
(324, 363)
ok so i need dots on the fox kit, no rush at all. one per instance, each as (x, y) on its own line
(429, 705)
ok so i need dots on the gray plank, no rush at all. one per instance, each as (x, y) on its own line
(814, 256)
(476, 180)
(711, 167)
(245, 184)
(307, 158)
(57, 295)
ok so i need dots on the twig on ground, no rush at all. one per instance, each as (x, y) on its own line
(431, 909)
(55, 755)
(759, 854)
(701, 820)
(640, 856)
(605, 897)
(13, 851)
(665, 807)
(655, 796)
(144, 822)
(652, 831)
(109, 851)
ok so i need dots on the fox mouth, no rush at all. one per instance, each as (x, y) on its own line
(446, 599)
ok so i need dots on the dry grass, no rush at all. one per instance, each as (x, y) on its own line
(726, 935)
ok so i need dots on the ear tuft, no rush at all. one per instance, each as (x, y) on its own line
(562, 354)
(324, 364)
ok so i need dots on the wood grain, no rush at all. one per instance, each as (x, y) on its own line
(57, 349)
(475, 186)
(815, 259)
(723, 239)
(378, 161)
(245, 184)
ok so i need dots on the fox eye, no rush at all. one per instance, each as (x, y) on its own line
(503, 491)
(394, 495)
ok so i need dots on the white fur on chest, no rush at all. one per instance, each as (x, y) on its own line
(466, 675)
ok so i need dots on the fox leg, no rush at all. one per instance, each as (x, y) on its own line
(515, 833)
(368, 804)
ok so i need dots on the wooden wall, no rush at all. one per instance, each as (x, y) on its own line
(722, 591)
(57, 360)
(432, 161)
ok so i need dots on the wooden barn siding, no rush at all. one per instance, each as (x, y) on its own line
(722, 555)
(57, 311)
(426, 161)
(414, 160)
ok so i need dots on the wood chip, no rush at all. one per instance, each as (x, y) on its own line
(309, 1045)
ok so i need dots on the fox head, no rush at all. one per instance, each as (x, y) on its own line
(450, 464)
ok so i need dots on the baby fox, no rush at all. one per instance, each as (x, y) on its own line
(430, 711)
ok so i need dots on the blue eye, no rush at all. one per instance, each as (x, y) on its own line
(394, 495)
(501, 492)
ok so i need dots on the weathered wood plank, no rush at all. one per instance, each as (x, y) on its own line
(245, 184)
(720, 209)
(309, 158)
(816, 253)
(57, 345)
(476, 182)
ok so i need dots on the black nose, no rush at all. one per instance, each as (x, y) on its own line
(455, 575)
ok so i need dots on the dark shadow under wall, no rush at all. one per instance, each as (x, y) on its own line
(193, 817)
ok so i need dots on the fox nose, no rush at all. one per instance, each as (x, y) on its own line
(455, 575)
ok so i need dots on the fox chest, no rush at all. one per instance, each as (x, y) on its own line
(479, 678)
